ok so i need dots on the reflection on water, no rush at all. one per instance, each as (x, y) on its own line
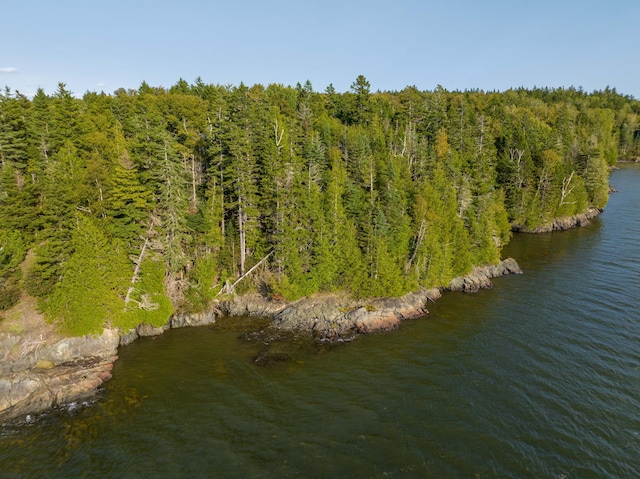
(538, 377)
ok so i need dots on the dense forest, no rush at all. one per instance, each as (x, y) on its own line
(119, 209)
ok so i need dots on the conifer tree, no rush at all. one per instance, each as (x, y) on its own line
(13, 249)
(129, 203)
(13, 130)
(172, 202)
(242, 174)
(89, 294)
(373, 193)
(346, 257)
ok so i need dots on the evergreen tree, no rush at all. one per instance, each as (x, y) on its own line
(147, 302)
(89, 294)
(242, 174)
(12, 251)
(361, 88)
(373, 193)
(129, 203)
(13, 130)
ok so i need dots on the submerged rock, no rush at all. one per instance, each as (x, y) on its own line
(266, 357)
(51, 371)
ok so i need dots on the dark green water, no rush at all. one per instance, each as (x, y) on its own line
(538, 377)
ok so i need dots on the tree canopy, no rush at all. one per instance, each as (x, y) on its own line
(150, 200)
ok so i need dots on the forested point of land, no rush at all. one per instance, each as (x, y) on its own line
(117, 209)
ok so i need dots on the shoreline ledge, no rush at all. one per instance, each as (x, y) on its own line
(338, 317)
(38, 376)
(562, 224)
(41, 372)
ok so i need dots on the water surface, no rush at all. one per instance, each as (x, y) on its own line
(538, 377)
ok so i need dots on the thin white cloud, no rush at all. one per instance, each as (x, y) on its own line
(8, 69)
(101, 84)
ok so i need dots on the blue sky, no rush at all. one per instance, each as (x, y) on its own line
(459, 44)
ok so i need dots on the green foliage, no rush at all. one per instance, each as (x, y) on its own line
(12, 251)
(595, 179)
(285, 289)
(18, 202)
(90, 293)
(203, 285)
(489, 228)
(149, 303)
(9, 293)
(128, 203)
(372, 193)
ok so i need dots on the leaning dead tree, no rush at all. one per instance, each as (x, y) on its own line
(567, 189)
(229, 288)
(138, 263)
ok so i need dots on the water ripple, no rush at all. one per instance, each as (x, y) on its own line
(538, 377)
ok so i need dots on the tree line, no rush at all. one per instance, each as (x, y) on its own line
(127, 206)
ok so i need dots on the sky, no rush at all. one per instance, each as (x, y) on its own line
(458, 44)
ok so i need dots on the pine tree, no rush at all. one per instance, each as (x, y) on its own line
(63, 195)
(345, 256)
(172, 202)
(361, 88)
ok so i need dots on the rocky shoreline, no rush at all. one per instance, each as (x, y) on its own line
(40, 370)
(336, 317)
(561, 224)
(39, 374)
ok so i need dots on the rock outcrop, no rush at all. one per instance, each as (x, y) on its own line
(182, 320)
(252, 305)
(561, 224)
(41, 375)
(340, 317)
(480, 276)
(39, 372)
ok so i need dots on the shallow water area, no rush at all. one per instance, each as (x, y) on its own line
(537, 377)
